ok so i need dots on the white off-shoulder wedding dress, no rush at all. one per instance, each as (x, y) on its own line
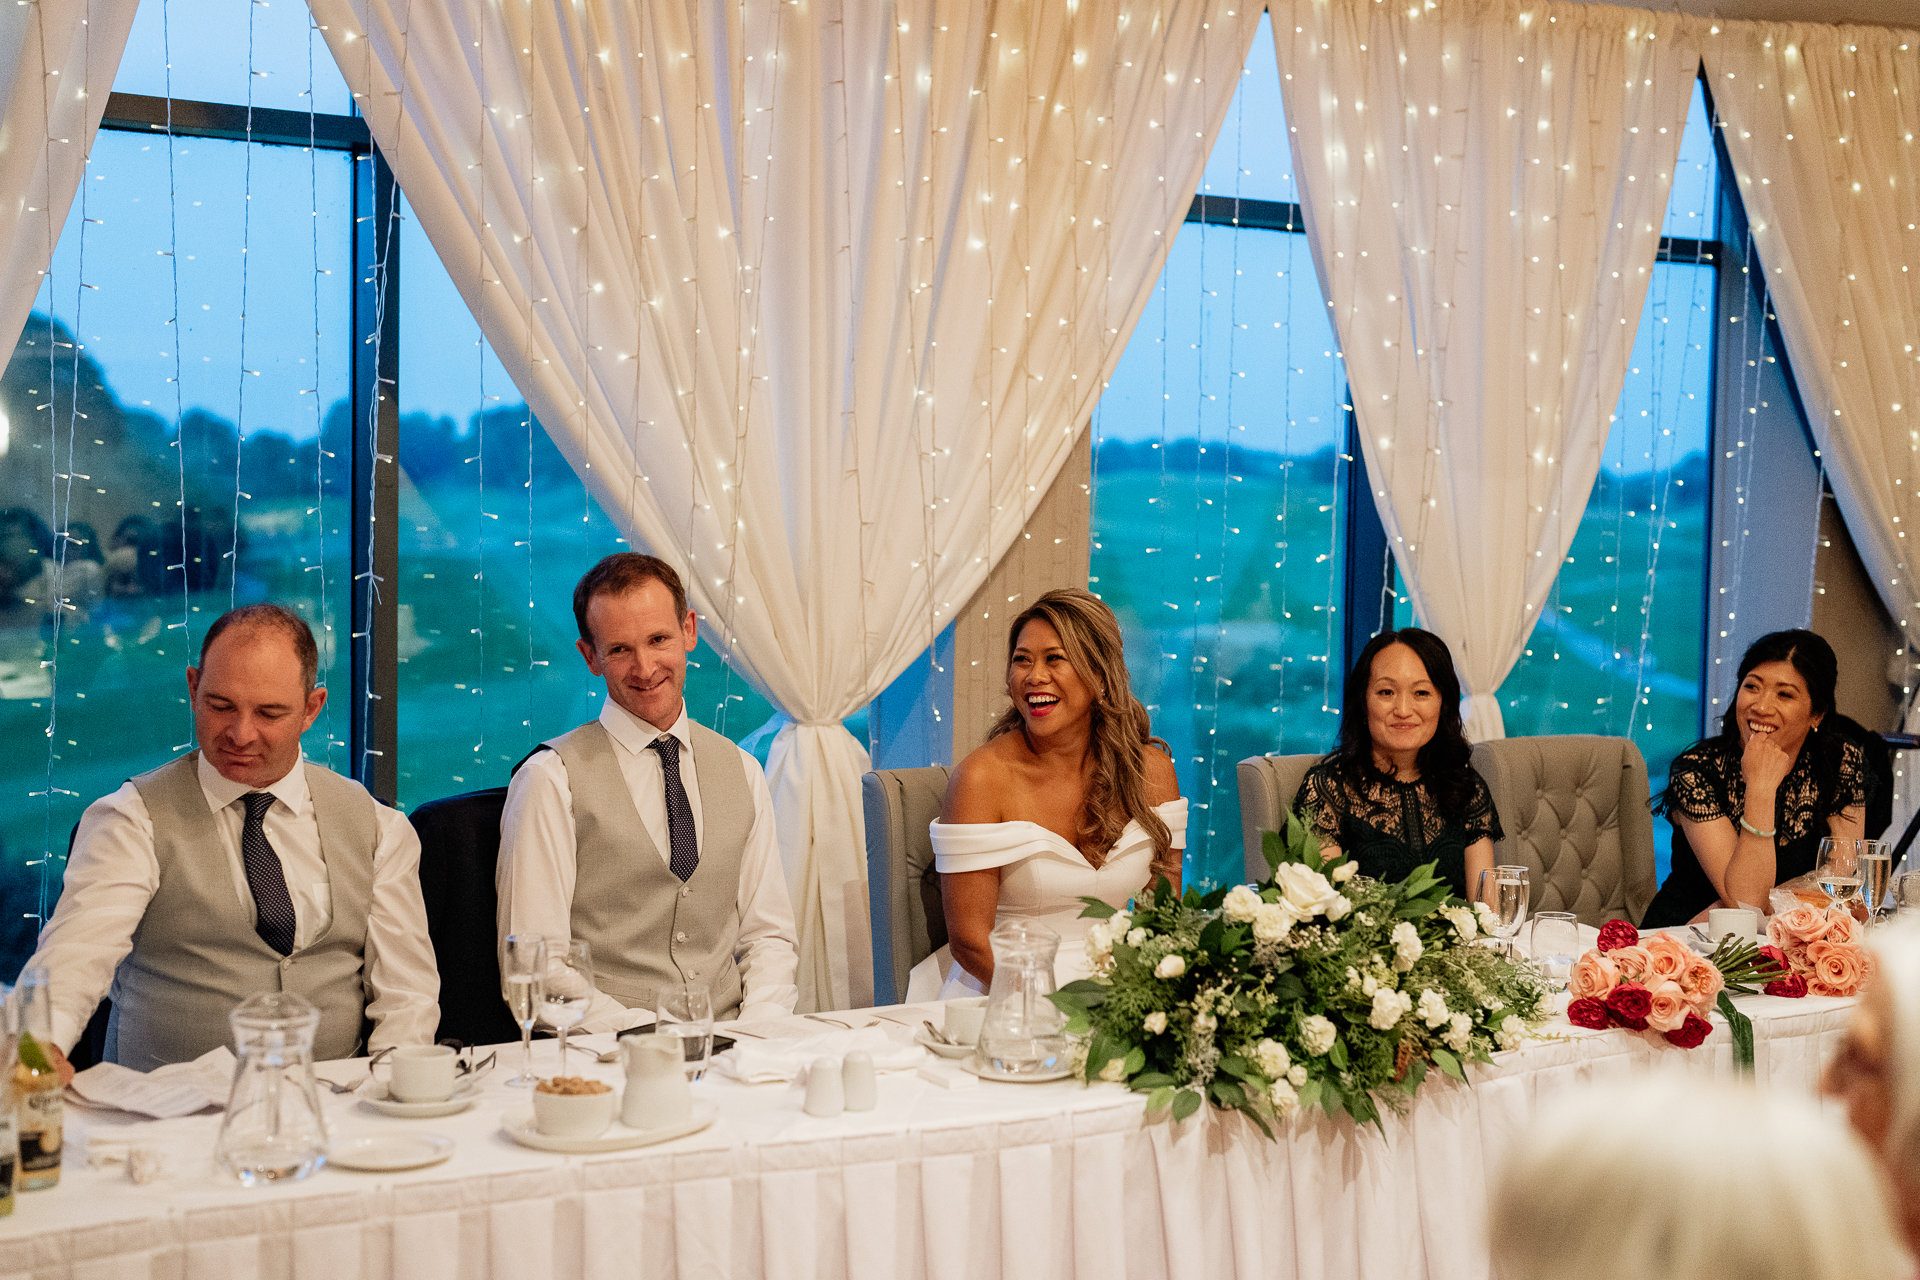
(1043, 878)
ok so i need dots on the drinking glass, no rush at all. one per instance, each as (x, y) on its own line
(523, 972)
(1876, 877)
(1555, 943)
(1505, 890)
(1837, 869)
(1906, 892)
(686, 1014)
(568, 989)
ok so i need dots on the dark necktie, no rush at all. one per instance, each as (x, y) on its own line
(685, 855)
(273, 906)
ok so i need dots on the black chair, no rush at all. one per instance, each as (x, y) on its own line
(459, 846)
(1879, 815)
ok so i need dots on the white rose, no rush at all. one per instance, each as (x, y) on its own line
(1317, 1034)
(1296, 1075)
(1484, 914)
(1511, 1031)
(1118, 923)
(1432, 1007)
(1493, 1005)
(1459, 1032)
(1204, 1023)
(1240, 905)
(1155, 1022)
(1406, 946)
(1170, 966)
(1346, 871)
(1337, 909)
(1116, 1069)
(1272, 921)
(1136, 936)
(1271, 1057)
(1388, 1008)
(1285, 1100)
(1462, 921)
(1099, 945)
(1369, 986)
(1306, 891)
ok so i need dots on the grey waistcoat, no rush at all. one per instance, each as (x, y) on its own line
(195, 954)
(644, 926)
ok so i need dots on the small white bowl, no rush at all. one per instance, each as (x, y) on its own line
(573, 1115)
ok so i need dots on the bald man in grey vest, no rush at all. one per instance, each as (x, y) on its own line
(240, 868)
(644, 833)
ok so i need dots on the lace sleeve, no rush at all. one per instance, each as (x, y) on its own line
(1321, 803)
(1855, 780)
(1482, 819)
(1695, 790)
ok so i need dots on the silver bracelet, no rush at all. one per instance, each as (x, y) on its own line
(1750, 829)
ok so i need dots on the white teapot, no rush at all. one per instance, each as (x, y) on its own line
(657, 1095)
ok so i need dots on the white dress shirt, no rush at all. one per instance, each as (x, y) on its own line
(113, 874)
(538, 869)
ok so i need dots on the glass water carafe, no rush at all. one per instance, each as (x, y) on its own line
(273, 1130)
(1023, 1033)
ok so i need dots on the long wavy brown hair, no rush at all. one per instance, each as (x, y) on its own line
(1120, 734)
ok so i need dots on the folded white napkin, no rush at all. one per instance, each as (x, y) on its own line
(768, 1061)
(179, 1089)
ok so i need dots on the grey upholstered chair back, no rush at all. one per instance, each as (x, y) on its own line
(1268, 785)
(1574, 809)
(909, 923)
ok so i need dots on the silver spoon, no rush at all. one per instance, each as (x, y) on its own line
(371, 1064)
(938, 1036)
(832, 1022)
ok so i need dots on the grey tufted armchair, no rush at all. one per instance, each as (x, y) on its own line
(909, 922)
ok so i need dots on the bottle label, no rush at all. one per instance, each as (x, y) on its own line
(41, 1114)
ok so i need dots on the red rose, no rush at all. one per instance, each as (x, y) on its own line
(1793, 986)
(1691, 1032)
(1590, 1012)
(1618, 933)
(1628, 1005)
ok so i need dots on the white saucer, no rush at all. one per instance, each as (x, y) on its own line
(618, 1137)
(380, 1100)
(386, 1152)
(933, 1046)
(1041, 1077)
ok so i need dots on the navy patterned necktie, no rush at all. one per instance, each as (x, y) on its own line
(273, 905)
(685, 854)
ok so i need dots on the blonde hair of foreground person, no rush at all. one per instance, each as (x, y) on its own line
(1679, 1179)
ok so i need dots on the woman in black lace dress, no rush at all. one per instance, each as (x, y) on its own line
(1750, 806)
(1398, 792)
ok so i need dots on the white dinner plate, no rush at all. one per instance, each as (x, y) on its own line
(386, 1104)
(933, 1046)
(618, 1137)
(386, 1152)
(1060, 1072)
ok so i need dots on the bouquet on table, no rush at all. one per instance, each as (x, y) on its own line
(1820, 951)
(1318, 986)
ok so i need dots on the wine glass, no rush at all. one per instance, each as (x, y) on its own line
(686, 1013)
(1906, 893)
(523, 973)
(1555, 942)
(1505, 890)
(1837, 870)
(568, 989)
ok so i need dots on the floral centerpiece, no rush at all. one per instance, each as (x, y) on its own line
(1317, 987)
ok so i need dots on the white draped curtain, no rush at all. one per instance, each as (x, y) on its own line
(1483, 184)
(816, 297)
(57, 59)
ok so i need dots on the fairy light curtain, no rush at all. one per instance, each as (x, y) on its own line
(50, 51)
(1821, 124)
(815, 296)
(1483, 184)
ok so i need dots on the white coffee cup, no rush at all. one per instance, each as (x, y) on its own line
(1738, 921)
(421, 1073)
(963, 1019)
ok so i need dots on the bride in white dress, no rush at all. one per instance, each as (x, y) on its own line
(1070, 797)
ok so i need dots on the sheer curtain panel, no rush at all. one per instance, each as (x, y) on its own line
(815, 297)
(57, 59)
(1483, 183)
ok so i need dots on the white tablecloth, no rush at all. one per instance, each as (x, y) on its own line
(1015, 1181)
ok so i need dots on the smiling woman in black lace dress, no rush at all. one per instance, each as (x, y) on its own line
(1399, 792)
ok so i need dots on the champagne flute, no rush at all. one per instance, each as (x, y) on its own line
(1505, 890)
(568, 989)
(686, 1013)
(1876, 877)
(1837, 870)
(523, 972)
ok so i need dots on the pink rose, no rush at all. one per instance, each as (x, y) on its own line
(1667, 959)
(1634, 963)
(1841, 927)
(1593, 975)
(1796, 953)
(1838, 968)
(1802, 924)
(1701, 983)
(1667, 1009)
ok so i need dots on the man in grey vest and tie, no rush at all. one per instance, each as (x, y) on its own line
(644, 833)
(239, 868)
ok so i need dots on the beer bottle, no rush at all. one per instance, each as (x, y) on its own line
(41, 1106)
